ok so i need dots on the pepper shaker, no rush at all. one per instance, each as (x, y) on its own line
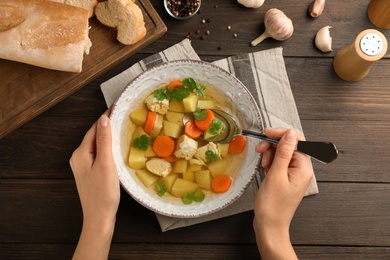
(378, 11)
(353, 62)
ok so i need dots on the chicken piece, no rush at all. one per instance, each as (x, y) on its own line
(201, 151)
(186, 147)
(195, 161)
(159, 167)
(155, 105)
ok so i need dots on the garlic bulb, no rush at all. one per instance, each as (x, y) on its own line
(251, 3)
(323, 41)
(316, 8)
(277, 26)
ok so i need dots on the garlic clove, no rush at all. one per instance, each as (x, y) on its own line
(316, 8)
(251, 3)
(323, 40)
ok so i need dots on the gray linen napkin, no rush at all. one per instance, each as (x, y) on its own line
(263, 73)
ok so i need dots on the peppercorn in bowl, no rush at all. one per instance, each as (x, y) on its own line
(182, 9)
(166, 165)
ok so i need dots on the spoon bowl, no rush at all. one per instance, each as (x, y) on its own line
(324, 152)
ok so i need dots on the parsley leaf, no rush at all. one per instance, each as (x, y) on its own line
(188, 198)
(200, 114)
(141, 142)
(192, 85)
(161, 94)
(215, 127)
(161, 188)
(211, 156)
(178, 93)
(199, 195)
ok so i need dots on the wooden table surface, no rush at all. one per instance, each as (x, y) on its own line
(40, 212)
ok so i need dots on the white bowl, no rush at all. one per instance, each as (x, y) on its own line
(223, 86)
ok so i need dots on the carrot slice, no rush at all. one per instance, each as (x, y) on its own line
(149, 123)
(221, 183)
(174, 84)
(205, 123)
(163, 146)
(191, 130)
(237, 145)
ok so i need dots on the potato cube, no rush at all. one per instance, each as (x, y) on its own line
(150, 152)
(217, 167)
(181, 187)
(194, 168)
(138, 116)
(147, 178)
(176, 106)
(190, 103)
(203, 104)
(137, 158)
(203, 179)
(175, 117)
(223, 149)
(180, 166)
(138, 132)
(169, 181)
(172, 129)
(189, 176)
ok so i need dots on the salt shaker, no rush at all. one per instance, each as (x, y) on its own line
(353, 62)
(378, 11)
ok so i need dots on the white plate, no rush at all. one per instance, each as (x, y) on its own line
(222, 86)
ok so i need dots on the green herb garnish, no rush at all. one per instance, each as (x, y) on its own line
(178, 93)
(161, 188)
(192, 85)
(141, 142)
(188, 198)
(216, 127)
(200, 114)
(211, 156)
(161, 94)
(197, 196)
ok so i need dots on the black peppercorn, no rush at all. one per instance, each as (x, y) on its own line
(183, 8)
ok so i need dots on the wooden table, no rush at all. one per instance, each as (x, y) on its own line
(40, 213)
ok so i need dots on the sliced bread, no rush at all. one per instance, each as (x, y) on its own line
(124, 15)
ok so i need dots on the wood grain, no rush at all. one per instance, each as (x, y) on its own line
(26, 91)
(41, 218)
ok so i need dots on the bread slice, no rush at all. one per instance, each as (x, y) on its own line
(43, 33)
(124, 15)
(86, 4)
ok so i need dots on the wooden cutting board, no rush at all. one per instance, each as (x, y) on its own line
(26, 91)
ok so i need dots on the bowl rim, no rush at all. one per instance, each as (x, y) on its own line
(251, 174)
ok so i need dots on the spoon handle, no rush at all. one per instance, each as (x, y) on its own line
(324, 152)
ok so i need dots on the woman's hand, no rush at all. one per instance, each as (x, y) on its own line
(288, 175)
(97, 183)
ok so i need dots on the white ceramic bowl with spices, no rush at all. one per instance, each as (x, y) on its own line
(182, 9)
(230, 95)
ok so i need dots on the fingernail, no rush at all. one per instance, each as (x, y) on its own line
(103, 121)
(264, 161)
(290, 136)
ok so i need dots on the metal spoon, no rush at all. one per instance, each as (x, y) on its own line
(324, 152)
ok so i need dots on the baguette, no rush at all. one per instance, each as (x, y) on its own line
(42, 33)
(86, 4)
(124, 15)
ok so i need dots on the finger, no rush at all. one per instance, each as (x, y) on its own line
(103, 139)
(267, 158)
(284, 151)
(278, 133)
(263, 146)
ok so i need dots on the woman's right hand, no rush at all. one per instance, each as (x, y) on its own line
(288, 175)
